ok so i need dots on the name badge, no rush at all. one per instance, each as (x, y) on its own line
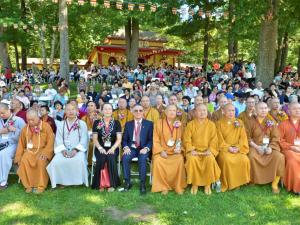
(30, 145)
(171, 142)
(297, 142)
(5, 136)
(266, 140)
(107, 144)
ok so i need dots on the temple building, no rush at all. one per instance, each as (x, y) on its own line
(152, 50)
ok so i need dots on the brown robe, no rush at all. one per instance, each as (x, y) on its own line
(32, 170)
(246, 118)
(264, 168)
(292, 159)
(217, 115)
(168, 173)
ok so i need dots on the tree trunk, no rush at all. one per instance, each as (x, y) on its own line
(53, 43)
(284, 52)
(4, 57)
(43, 48)
(232, 40)
(267, 44)
(132, 41)
(278, 54)
(17, 56)
(64, 41)
(23, 48)
(206, 44)
(298, 64)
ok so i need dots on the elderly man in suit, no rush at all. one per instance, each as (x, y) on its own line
(137, 142)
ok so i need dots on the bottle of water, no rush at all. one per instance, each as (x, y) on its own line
(218, 186)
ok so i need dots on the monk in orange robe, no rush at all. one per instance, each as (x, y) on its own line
(276, 114)
(233, 147)
(91, 116)
(180, 114)
(218, 114)
(122, 113)
(168, 162)
(200, 142)
(35, 150)
(150, 113)
(290, 146)
(247, 115)
(197, 101)
(267, 163)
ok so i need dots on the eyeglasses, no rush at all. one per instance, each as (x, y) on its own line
(138, 110)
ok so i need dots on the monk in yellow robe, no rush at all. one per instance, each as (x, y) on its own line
(197, 101)
(218, 114)
(34, 151)
(91, 116)
(150, 113)
(267, 163)
(290, 146)
(233, 149)
(200, 141)
(122, 113)
(276, 114)
(168, 161)
(180, 114)
(160, 107)
(246, 116)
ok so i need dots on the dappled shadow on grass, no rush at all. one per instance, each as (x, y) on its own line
(80, 205)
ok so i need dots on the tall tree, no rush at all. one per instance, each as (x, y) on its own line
(267, 43)
(132, 41)
(64, 40)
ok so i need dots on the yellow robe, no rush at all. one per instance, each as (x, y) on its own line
(90, 122)
(181, 116)
(246, 118)
(169, 173)
(217, 115)
(201, 170)
(151, 114)
(279, 117)
(123, 116)
(235, 167)
(32, 170)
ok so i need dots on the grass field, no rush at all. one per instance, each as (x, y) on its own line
(81, 205)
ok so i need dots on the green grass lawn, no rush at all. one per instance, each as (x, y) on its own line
(80, 205)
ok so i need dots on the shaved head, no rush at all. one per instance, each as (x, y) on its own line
(229, 110)
(294, 109)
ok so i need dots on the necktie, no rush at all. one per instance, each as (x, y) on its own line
(137, 134)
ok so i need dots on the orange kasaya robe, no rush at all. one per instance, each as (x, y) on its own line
(217, 115)
(289, 132)
(180, 115)
(201, 136)
(151, 114)
(32, 170)
(264, 168)
(168, 173)
(235, 167)
(246, 118)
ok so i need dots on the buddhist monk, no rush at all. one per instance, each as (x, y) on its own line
(246, 116)
(91, 116)
(200, 143)
(150, 113)
(35, 150)
(122, 113)
(168, 162)
(160, 105)
(233, 147)
(197, 101)
(276, 114)
(267, 163)
(290, 146)
(180, 114)
(218, 114)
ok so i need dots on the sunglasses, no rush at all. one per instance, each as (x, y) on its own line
(138, 110)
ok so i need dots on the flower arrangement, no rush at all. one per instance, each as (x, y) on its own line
(178, 113)
(177, 124)
(36, 130)
(76, 126)
(11, 123)
(269, 123)
(237, 124)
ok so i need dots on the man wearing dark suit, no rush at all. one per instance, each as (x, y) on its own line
(137, 142)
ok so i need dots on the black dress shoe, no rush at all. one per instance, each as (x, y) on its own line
(127, 186)
(143, 189)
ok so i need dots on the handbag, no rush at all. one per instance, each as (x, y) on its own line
(104, 177)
